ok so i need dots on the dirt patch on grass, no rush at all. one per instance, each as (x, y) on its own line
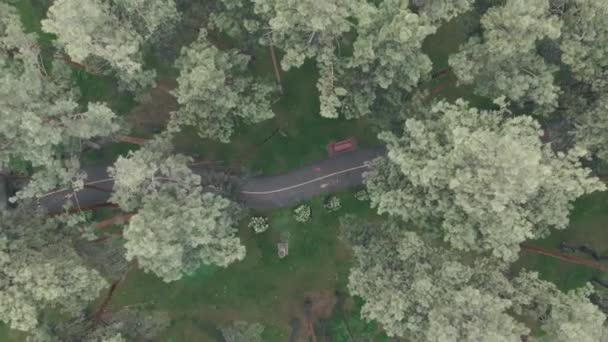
(152, 115)
(317, 305)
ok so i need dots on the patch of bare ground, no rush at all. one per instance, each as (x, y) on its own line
(152, 115)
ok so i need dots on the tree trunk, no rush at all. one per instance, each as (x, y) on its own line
(275, 66)
(114, 220)
(565, 257)
(131, 140)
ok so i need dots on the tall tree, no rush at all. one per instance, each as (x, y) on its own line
(41, 121)
(387, 51)
(177, 227)
(215, 91)
(584, 41)
(111, 34)
(386, 39)
(40, 269)
(422, 290)
(487, 183)
(591, 127)
(504, 62)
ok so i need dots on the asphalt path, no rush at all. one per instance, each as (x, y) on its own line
(337, 173)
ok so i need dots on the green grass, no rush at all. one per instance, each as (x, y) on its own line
(261, 288)
(306, 133)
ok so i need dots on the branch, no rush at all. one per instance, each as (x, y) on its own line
(564, 257)
(114, 220)
(131, 140)
(275, 65)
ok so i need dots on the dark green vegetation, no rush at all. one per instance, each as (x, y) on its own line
(263, 288)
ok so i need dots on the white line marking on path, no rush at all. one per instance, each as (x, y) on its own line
(304, 183)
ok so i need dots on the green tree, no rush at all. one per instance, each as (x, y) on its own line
(306, 29)
(240, 331)
(111, 34)
(41, 121)
(584, 41)
(504, 62)
(487, 183)
(387, 51)
(40, 269)
(442, 10)
(215, 91)
(420, 289)
(177, 227)
(425, 292)
(152, 18)
(89, 29)
(591, 127)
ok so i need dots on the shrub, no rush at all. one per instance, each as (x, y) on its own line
(302, 213)
(362, 195)
(259, 224)
(332, 203)
(240, 331)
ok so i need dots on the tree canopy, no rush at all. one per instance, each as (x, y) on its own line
(485, 181)
(110, 35)
(177, 227)
(215, 91)
(422, 290)
(42, 122)
(584, 41)
(503, 61)
(39, 269)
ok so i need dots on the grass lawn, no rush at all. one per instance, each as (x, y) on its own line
(262, 287)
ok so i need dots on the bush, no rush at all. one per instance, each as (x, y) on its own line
(259, 224)
(302, 213)
(332, 203)
(240, 331)
(362, 195)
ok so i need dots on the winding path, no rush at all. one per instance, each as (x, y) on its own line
(330, 175)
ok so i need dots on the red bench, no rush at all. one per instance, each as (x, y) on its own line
(341, 146)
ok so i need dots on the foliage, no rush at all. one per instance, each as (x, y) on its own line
(111, 34)
(178, 228)
(419, 289)
(214, 91)
(563, 316)
(126, 324)
(485, 182)
(240, 331)
(302, 213)
(332, 203)
(504, 62)
(591, 129)
(410, 286)
(387, 50)
(584, 42)
(362, 195)
(40, 269)
(153, 18)
(41, 121)
(259, 224)
(89, 30)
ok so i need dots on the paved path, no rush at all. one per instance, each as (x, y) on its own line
(330, 175)
(337, 173)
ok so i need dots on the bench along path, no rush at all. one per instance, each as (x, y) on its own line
(330, 175)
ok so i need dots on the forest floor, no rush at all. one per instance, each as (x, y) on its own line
(263, 288)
